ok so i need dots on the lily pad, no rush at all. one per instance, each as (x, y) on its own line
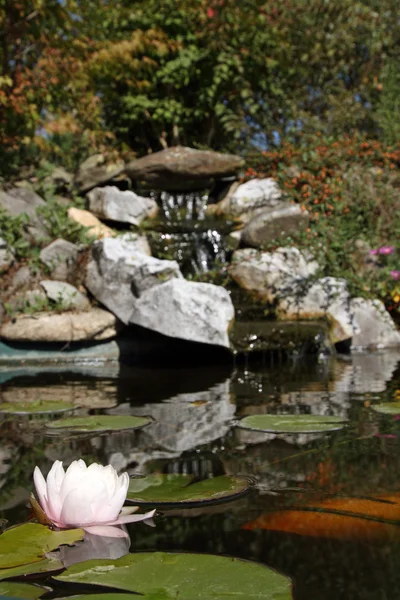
(10, 589)
(28, 543)
(162, 576)
(36, 408)
(47, 565)
(159, 489)
(387, 408)
(95, 423)
(291, 423)
(115, 596)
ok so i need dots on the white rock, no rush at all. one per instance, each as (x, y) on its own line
(250, 196)
(271, 274)
(377, 328)
(140, 241)
(119, 273)
(199, 312)
(325, 298)
(123, 206)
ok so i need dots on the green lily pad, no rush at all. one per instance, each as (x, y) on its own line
(28, 543)
(291, 423)
(12, 589)
(47, 565)
(36, 408)
(170, 490)
(95, 423)
(387, 408)
(114, 596)
(162, 576)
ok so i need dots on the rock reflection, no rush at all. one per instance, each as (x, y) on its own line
(181, 423)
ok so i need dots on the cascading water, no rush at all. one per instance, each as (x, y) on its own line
(183, 207)
(186, 234)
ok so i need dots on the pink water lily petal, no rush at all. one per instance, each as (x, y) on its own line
(129, 510)
(76, 510)
(133, 518)
(74, 475)
(110, 510)
(54, 481)
(40, 485)
(106, 531)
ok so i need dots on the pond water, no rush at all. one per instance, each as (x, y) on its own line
(325, 507)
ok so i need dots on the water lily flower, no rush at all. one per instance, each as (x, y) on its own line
(87, 497)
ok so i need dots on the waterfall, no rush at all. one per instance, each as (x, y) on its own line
(186, 234)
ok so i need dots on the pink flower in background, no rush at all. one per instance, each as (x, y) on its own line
(88, 497)
(395, 274)
(373, 252)
(386, 250)
(210, 13)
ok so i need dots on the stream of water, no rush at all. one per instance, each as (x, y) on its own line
(350, 554)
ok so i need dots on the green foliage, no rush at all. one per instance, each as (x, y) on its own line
(35, 304)
(141, 76)
(350, 188)
(55, 218)
(11, 229)
(389, 107)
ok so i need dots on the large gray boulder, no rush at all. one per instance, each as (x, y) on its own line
(118, 273)
(18, 201)
(182, 169)
(327, 298)
(376, 327)
(125, 207)
(93, 325)
(60, 257)
(268, 224)
(270, 275)
(198, 312)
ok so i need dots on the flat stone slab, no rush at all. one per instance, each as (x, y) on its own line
(96, 324)
(181, 169)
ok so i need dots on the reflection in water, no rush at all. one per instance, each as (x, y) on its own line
(194, 431)
(93, 546)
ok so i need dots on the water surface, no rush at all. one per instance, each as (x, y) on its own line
(351, 553)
